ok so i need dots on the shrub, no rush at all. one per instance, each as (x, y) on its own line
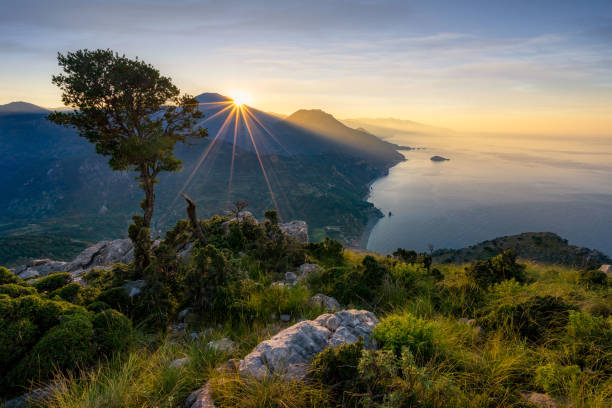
(593, 277)
(65, 346)
(554, 378)
(496, 269)
(113, 331)
(53, 281)
(328, 251)
(207, 285)
(14, 290)
(117, 298)
(7, 276)
(590, 340)
(70, 292)
(98, 306)
(533, 318)
(16, 338)
(397, 331)
(337, 366)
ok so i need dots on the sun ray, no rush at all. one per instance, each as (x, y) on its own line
(251, 114)
(198, 164)
(216, 114)
(231, 177)
(263, 170)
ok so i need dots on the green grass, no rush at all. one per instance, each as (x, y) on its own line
(434, 359)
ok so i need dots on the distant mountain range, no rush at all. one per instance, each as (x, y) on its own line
(389, 127)
(52, 183)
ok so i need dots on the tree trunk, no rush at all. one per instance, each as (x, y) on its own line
(193, 218)
(148, 204)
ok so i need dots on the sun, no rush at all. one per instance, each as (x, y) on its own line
(240, 98)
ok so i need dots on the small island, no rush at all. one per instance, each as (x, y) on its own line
(438, 159)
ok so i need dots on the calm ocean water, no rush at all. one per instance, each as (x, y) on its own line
(495, 186)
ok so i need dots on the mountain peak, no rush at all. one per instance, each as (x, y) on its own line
(208, 97)
(21, 107)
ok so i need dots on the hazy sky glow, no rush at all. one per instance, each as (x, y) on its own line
(532, 66)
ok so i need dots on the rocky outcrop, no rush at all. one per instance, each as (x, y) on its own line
(289, 352)
(606, 268)
(101, 255)
(297, 230)
(325, 302)
(39, 267)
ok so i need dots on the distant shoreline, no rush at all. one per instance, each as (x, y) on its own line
(373, 219)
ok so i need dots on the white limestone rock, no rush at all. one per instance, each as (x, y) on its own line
(289, 352)
(297, 230)
(325, 302)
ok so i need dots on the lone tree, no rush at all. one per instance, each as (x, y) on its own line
(132, 114)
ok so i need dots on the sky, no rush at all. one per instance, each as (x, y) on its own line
(537, 66)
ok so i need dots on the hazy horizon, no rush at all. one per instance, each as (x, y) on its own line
(526, 67)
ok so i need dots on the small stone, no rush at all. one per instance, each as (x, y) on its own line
(291, 278)
(224, 345)
(606, 268)
(194, 336)
(183, 313)
(285, 317)
(539, 399)
(179, 362)
(179, 328)
(306, 269)
(201, 398)
(325, 302)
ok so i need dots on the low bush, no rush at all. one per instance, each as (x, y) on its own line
(52, 282)
(589, 340)
(536, 319)
(15, 290)
(7, 276)
(396, 331)
(69, 293)
(593, 277)
(337, 367)
(555, 379)
(66, 346)
(496, 269)
(113, 331)
(117, 298)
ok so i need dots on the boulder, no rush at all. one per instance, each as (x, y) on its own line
(606, 268)
(290, 351)
(101, 256)
(297, 230)
(200, 398)
(325, 302)
(539, 399)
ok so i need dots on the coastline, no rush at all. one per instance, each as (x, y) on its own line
(377, 214)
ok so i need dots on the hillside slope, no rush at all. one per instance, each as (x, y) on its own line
(544, 247)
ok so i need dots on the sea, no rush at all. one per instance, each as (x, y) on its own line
(492, 186)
